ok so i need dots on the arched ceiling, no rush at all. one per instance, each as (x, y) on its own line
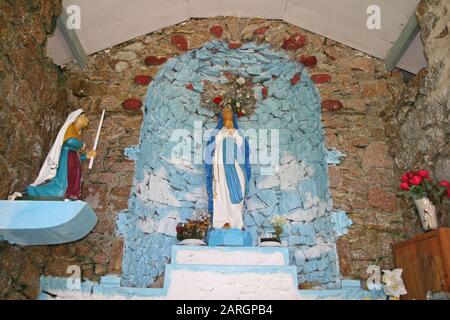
(105, 23)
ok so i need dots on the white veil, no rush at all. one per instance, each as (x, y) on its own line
(50, 166)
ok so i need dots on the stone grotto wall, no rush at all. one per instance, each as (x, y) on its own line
(167, 191)
(32, 96)
(364, 185)
(419, 125)
(33, 105)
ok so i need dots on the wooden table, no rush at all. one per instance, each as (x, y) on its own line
(425, 260)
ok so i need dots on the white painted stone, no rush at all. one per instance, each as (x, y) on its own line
(318, 251)
(269, 182)
(125, 56)
(311, 201)
(292, 173)
(257, 286)
(195, 195)
(156, 188)
(121, 66)
(300, 215)
(225, 258)
(254, 204)
(134, 47)
(300, 257)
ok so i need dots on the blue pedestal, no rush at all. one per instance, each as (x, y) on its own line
(229, 238)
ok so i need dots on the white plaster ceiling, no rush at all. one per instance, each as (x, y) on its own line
(105, 23)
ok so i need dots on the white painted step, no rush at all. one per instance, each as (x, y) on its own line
(230, 256)
(200, 282)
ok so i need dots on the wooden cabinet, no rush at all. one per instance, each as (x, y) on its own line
(425, 260)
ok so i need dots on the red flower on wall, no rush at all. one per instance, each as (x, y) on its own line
(132, 104)
(294, 42)
(332, 105)
(142, 80)
(265, 92)
(321, 78)
(308, 61)
(190, 86)
(234, 45)
(155, 61)
(296, 79)
(216, 31)
(260, 31)
(217, 100)
(180, 42)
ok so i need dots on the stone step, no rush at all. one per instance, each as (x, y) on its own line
(230, 256)
(110, 289)
(231, 282)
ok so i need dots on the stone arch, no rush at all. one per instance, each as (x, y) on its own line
(166, 192)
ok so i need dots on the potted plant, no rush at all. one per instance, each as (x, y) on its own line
(419, 187)
(274, 239)
(193, 232)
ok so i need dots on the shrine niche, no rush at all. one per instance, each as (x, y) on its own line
(293, 182)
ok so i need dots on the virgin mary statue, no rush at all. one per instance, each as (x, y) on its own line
(227, 172)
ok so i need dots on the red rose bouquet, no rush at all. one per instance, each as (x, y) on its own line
(418, 185)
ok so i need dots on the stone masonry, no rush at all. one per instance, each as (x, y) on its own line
(419, 124)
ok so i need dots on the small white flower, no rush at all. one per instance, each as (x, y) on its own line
(241, 81)
(238, 104)
(278, 221)
(394, 285)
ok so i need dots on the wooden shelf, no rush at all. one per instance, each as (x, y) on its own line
(425, 260)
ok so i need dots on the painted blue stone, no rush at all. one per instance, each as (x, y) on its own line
(234, 63)
(290, 201)
(268, 196)
(296, 240)
(265, 76)
(304, 229)
(258, 92)
(334, 156)
(132, 153)
(310, 266)
(341, 222)
(258, 218)
(229, 237)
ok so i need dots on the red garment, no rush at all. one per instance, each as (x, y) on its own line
(73, 190)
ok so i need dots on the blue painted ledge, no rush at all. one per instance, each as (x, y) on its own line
(31, 223)
(109, 287)
(229, 237)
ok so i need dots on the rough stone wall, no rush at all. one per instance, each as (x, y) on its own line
(363, 185)
(419, 125)
(33, 100)
(32, 95)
